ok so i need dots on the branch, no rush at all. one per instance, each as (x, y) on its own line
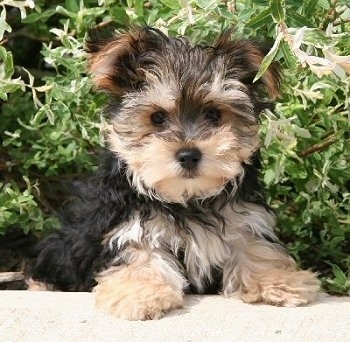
(7, 277)
(318, 147)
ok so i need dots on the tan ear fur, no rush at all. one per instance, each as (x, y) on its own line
(104, 57)
(246, 56)
(271, 78)
(114, 63)
(101, 64)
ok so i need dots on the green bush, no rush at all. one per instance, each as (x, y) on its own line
(50, 120)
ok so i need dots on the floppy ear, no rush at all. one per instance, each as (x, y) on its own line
(244, 58)
(114, 62)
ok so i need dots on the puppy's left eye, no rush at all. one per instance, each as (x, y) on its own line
(158, 118)
(213, 115)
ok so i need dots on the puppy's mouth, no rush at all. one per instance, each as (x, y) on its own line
(190, 174)
(181, 189)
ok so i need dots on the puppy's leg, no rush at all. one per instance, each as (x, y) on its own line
(53, 268)
(34, 285)
(147, 286)
(64, 262)
(261, 271)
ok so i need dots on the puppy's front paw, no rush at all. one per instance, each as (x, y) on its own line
(284, 289)
(137, 300)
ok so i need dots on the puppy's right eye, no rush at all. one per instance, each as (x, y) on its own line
(158, 118)
(213, 115)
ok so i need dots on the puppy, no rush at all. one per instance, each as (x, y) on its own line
(176, 206)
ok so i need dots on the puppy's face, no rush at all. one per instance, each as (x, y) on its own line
(185, 117)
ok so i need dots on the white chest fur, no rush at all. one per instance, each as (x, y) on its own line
(203, 249)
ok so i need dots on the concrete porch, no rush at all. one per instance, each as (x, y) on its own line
(64, 317)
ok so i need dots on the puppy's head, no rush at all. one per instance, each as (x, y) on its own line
(184, 117)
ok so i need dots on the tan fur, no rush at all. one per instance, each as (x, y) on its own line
(139, 290)
(282, 288)
(101, 65)
(34, 285)
(262, 272)
(253, 267)
(254, 56)
(223, 153)
(151, 280)
(269, 77)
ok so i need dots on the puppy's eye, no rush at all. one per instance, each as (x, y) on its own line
(158, 118)
(213, 115)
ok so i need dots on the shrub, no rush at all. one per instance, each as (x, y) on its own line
(50, 120)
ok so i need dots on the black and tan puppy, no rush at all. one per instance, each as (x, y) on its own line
(176, 206)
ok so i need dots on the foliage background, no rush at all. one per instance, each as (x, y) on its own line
(50, 118)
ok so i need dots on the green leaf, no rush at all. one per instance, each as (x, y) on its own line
(34, 17)
(223, 12)
(316, 37)
(10, 86)
(309, 7)
(9, 69)
(300, 20)
(340, 277)
(324, 4)
(3, 95)
(263, 18)
(3, 53)
(269, 57)
(38, 117)
(47, 111)
(121, 16)
(207, 5)
(289, 57)
(278, 10)
(65, 12)
(269, 176)
(72, 5)
(261, 2)
(173, 4)
(4, 26)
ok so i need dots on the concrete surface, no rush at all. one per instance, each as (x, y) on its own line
(64, 317)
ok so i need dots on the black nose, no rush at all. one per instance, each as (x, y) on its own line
(189, 157)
